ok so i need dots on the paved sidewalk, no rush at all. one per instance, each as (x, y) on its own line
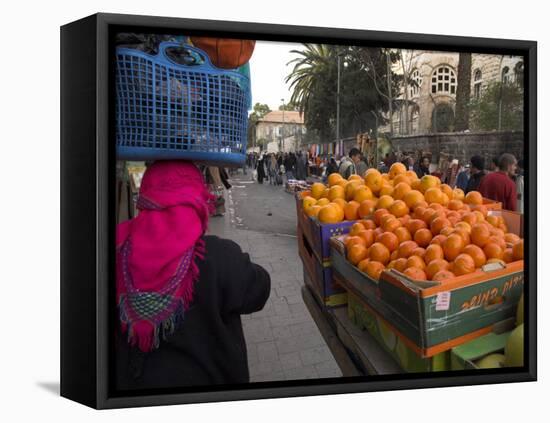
(283, 341)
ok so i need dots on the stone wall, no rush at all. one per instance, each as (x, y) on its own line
(463, 145)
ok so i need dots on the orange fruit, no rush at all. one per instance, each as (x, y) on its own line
(412, 197)
(341, 202)
(374, 269)
(473, 197)
(379, 252)
(317, 190)
(402, 234)
(423, 237)
(447, 190)
(362, 193)
(508, 255)
(336, 191)
(400, 264)
(427, 182)
(401, 179)
(416, 261)
(340, 209)
(400, 190)
(447, 230)
(433, 252)
(438, 240)
(368, 223)
(404, 219)
(463, 264)
(373, 179)
(517, 250)
(362, 265)
(333, 179)
(366, 208)
(349, 190)
(453, 246)
(465, 235)
(433, 195)
(415, 184)
(419, 251)
(350, 210)
(356, 253)
(497, 240)
(384, 202)
(308, 202)
(458, 194)
(415, 273)
(398, 208)
(352, 240)
(397, 169)
(406, 248)
(479, 216)
(323, 202)
(312, 211)
(511, 238)
(480, 234)
(493, 220)
(442, 275)
(378, 215)
(330, 214)
(464, 226)
(356, 228)
(435, 266)
(438, 224)
(493, 250)
(386, 189)
(455, 205)
(476, 253)
(386, 218)
(389, 239)
(411, 174)
(415, 225)
(378, 231)
(355, 178)
(394, 256)
(469, 218)
(368, 236)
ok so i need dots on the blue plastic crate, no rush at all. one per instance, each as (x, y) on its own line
(168, 110)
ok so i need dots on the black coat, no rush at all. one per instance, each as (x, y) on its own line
(208, 348)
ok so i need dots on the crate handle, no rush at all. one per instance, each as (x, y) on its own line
(163, 57)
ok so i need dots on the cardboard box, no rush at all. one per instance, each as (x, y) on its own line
(466, 355)
(319, 234)
(437, 316)
(320, 280)
(395, 345)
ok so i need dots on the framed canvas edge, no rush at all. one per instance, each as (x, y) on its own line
(274, 390)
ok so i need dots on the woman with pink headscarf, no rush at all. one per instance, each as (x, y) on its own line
(180, 294)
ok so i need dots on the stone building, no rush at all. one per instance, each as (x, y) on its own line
(281, 131)
(429, 99)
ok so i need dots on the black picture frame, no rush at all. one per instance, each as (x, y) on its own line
(88, 219)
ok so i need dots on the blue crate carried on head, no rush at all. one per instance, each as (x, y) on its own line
(177, 105)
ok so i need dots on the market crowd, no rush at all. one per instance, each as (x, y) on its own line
(501, 179)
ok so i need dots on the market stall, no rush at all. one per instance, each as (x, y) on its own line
(408, 275)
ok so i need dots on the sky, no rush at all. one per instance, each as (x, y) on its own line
(268, 70)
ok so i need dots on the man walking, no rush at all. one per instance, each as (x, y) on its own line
(347, 165)
(477, 173)
(499, 185)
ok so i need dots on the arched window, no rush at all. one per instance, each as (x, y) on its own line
(506, 77)
(444, 80)
(415, 81)
(518, 73)
(477, 84)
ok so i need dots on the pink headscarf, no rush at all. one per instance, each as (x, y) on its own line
(156, 251)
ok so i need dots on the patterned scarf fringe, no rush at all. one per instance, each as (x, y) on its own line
(169, 325)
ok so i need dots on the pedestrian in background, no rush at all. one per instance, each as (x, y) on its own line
(361, 167)
(463, 177)
(423, 167)
(348, 163)
(477, 173)
(260, 168)
(519, 185)
(493, 165)
(332, 166)
(499, 185)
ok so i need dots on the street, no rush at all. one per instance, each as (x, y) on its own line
(283, 342)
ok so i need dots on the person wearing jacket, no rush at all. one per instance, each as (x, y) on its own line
(180, 293)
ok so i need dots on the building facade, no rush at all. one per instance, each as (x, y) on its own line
(427, 104)
(281, 131)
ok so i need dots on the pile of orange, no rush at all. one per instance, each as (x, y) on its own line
(398, 191)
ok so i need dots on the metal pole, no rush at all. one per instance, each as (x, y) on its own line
(283, 128)
(338, 103)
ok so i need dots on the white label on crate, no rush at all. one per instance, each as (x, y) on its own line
(443, 301)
